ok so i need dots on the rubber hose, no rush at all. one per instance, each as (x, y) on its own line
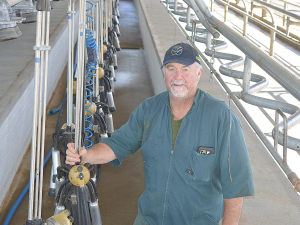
(60, 190)
(62, 107)
(64, 194)
(85, 207)
(92, 191)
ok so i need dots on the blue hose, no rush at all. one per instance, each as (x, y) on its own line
(52, 112)
(91, 67)
(22, 195)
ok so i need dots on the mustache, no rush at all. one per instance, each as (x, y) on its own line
(178, 82)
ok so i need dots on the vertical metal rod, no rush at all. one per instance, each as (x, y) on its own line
(175, 5)
(276, 132)
(110, 13)
(245, 25)
(80, 64)
(96, 92)
(285, 129)
(188, 16)
(272, 40)
(36, 206)
(40, 126)
(284, 16)
(193, 31)
(225, 11)
(106, 22)
(101, 32)
(46, 52)
(263, 11)
(34, 127)
(247, 75)
(70, 65)
(208, 40)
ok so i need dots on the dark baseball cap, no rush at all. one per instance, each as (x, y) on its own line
(181, 53)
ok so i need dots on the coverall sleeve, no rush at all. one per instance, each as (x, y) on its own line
(235, 167)
(127, 139)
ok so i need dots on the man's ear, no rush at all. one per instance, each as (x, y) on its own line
(199, 74)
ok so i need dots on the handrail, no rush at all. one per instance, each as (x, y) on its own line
(288, 2)
(272, 32)
(282, 11)
(266, 25)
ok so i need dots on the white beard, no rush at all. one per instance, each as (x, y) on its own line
(179, 92)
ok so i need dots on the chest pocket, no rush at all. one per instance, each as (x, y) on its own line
(150, 150)
(200, 166)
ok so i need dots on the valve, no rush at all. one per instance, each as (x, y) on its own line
(63, 218)
(79, 176)
(100, 72)
(91, 107)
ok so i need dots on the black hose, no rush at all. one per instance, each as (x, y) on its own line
(79, 200)
(64, 101)
(85, 209)
(98, 173)
(65, 193)
(60, 190)
(58, 135)
(92, 191)
(94, 186)
(101, 122)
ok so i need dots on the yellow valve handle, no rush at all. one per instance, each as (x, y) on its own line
(65, 125)
(100, 72)
(79, 176)
(61, 219)
(91, 107)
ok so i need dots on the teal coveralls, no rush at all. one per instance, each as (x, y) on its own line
(183, 186)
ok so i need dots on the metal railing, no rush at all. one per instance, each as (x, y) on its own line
(290, 82)
(292, 19)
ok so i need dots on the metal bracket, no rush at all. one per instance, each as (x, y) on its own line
(71, 12)
(82, 26)
(42, 48)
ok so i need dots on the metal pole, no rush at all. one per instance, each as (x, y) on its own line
(47, 14)
(80, 64)
(96, 92)
(106, 21)
(101, 33)
(70, 64)
(39, 117)
(247, 75)
(35, 107)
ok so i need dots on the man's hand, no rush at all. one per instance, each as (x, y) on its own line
(73, 157)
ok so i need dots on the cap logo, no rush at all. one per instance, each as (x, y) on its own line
(176, 50)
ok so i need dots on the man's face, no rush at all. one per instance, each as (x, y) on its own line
(181, 80)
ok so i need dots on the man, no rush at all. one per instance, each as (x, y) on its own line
(197, 168)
